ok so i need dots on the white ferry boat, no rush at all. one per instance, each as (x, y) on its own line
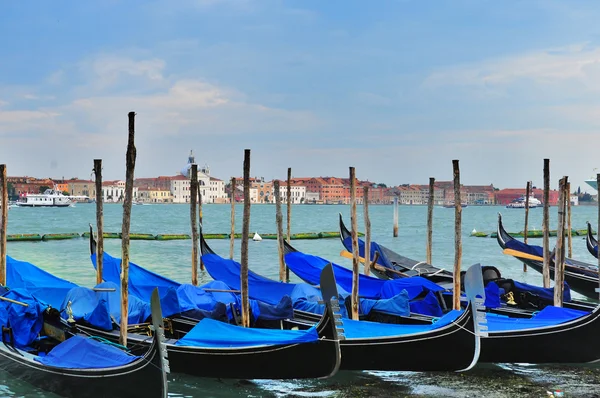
(50, 198)
(520, 203)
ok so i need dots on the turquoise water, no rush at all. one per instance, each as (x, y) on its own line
(70, 259)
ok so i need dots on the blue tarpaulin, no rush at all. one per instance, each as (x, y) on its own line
(26, 322)
(363, 329)
(83, 353)
(309, 268)
(549, 316)
(42, 285)
(177, 298)
(517, 245)
(210, 333)
(546, 293)
(97, 308)
(303, 296)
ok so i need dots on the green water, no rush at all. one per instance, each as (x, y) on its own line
(69, 259)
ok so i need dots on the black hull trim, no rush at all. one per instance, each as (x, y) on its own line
(580, 276)
(591, 242)
(571, 342)
(406, 265)
(142, 378)
(413, 352)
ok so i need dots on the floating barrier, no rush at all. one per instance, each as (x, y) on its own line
(61, 236)
(134, 236)
(140, 236)
(530, 234)
(173, 237)
(23, 238)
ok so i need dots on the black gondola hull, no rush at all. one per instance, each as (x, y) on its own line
(571, 342)
(142, 378)
(414, 352)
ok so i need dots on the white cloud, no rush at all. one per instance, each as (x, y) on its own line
(545, 67)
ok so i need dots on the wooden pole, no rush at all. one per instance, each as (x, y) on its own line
(130, 163)
(527, 193)
(367, 268)
(245, 237)
(569, 225)
(194, 222)
(355, 253)
(289, 216)
(200, 221)
(279, 221)
(598, 203)
(395, 216)
(457, 235)
(3, 224)
(546, 225)
(559, 263)
(99, 220)
(430, 219)
(232, 234)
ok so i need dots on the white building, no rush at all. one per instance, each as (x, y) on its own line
(212, 189)
(114, 191)
(298, 193)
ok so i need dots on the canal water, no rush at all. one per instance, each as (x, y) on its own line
(69, 259)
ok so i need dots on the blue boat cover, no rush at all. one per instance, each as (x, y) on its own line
(210, 333)
(44, 286)
(303, 296)
(375, 248)
(428, 305)
(549, 316)
(546, 293)
(176, 298)
(363, 329)
(309, 268)
(26, 322)
(492, 295)
(97, 308)
(83, 353)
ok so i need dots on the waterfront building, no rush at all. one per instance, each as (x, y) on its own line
(298, 193)
(114, 191)
(154, 195)
(82, 188)
(505, 196)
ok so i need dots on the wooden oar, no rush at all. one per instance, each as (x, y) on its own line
(516, 253)
(347, 254)
(14, 301)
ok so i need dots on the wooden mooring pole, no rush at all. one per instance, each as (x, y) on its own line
(232, 234)
(395, 216)
(355, 253)
(130, 163)
(457, 236)
(245, 236)
(569, 225)
(430, 219)
(546, 225)
(527, 193)
(194, 221)
(3, 223)
(99, 220)
(559, 259)
(289, 216)
(279, 221)
(367, 267)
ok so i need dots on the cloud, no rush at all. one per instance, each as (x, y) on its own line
(577, 62)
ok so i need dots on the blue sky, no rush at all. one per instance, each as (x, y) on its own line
(395, 88)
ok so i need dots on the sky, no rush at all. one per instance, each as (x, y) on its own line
(396, 89)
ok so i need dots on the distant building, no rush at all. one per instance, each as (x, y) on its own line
(114, 191)
(154, 195)
(82, 188)
(505, 196)
(298, 193)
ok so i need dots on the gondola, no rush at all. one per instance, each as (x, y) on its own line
(591, 242)
(376, 346)
(63, 361)
(581, 277)
(394, 266)
(517, 298)
(216, 349)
